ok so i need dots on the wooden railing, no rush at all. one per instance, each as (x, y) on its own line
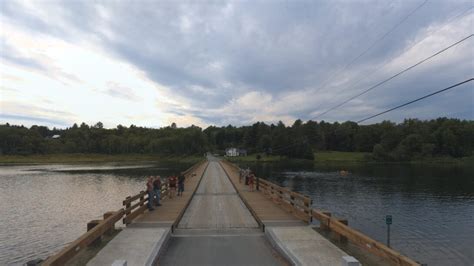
(296, 203)
(341, 228)
(300, 206)
(86, 239)
(136, 205)
(293, 202)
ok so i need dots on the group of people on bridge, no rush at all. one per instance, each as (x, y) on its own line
(153, 188)
(249, 177)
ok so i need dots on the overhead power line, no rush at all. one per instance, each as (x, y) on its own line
(394, 76)
(416, 100)
(449, 21)
(337, 72)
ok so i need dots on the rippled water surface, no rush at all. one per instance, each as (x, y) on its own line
(45, 207)
(432, 206)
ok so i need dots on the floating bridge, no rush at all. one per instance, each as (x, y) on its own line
(218, 221)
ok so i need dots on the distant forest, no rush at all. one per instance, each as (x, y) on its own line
(387, 141)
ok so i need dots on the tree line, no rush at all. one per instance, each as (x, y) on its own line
(387, 141)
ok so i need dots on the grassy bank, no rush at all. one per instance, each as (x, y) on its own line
(92, 158)
(339, 157)
(253, 158)
(327, 156)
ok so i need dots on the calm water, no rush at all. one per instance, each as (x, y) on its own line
(45, 207)
(42, 208)
(432, 206)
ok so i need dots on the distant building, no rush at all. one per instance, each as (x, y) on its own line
(56, 136)
(232, 152)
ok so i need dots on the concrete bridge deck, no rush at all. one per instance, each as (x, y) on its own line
(219, 227)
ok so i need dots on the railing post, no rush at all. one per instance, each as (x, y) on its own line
(91, 225)
(127, 211)
(324, 226)
(128, 205)
(142, 198)
(111, 230)
(307, 205)
(343, 239)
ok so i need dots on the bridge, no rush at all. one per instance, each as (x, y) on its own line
(218, 221)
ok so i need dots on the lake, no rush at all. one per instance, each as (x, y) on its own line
(44, 207)
(432, 205)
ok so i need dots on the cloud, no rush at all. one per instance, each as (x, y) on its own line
(31, 120)
(239, 62)
(120, 91)
(11, 55)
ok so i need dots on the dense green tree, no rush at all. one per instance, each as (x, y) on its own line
(408, 140)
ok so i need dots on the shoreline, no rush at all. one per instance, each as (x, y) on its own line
(336, 157)
(78, 158)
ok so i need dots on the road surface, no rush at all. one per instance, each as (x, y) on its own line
(218, 229)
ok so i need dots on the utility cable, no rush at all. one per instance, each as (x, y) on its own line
(372, 45)
(416, 100)
(449, 21)
(394, 76)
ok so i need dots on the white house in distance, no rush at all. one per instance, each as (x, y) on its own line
(232, 152)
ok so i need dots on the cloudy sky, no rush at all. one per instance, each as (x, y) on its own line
(150, 63)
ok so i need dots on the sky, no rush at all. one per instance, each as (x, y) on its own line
(151, 63)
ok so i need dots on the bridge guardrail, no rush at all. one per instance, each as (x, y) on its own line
(341, 228)
(133, 210)
(85, 240)
(296, 203)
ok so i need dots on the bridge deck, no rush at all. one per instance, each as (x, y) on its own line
(218, 229)
(216, 204)
(170, 210)
(265, 209)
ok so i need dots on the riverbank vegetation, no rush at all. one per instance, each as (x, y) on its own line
(411, 140)
(339, 157)
(73, 158)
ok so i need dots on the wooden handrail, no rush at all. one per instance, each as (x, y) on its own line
(362, 240)
(132, 211)
(292, 201)
(86, 239)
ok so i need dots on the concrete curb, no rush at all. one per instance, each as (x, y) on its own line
(135, 246)
(277, 245)
(158, 249)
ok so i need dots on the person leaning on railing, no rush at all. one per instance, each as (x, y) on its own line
(149, 190)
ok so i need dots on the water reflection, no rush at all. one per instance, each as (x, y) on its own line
(45, 207)
(432, 205)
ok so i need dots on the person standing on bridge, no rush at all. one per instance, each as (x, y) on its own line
(149, 190)
(157, 190)
(181, 184)
(172, 182)
(251, 181)
(247, 174)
